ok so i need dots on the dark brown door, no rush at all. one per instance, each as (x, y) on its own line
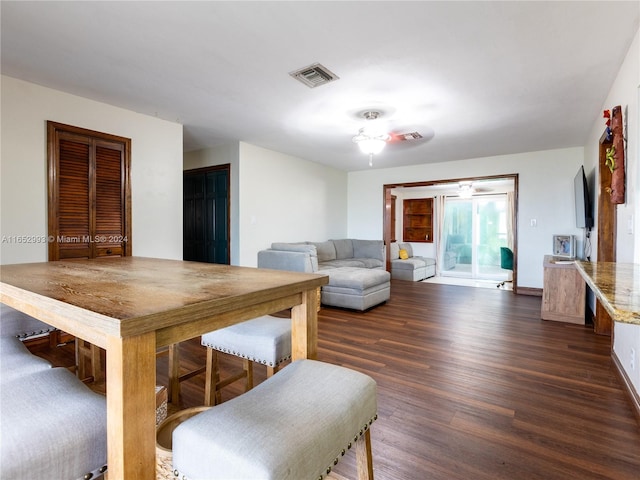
(206, 215)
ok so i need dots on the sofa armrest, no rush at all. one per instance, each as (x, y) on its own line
(295, 261)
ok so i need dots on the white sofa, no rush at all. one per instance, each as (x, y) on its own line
(412, 268)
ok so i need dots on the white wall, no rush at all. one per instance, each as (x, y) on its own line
(221, 155)
(156, 169)
(625, 92)
(287, 199)
(545, 194)
(277, 198)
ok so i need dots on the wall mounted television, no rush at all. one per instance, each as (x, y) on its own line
(584, 210)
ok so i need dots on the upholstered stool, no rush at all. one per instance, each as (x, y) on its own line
(295, 425)
(18, 324)
(53, 426)
(14, 323)
(265, 340)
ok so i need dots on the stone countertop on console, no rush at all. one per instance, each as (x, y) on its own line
(617, 286)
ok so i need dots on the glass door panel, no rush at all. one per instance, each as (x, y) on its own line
(491, 222)
(458, 236)
(474, 230)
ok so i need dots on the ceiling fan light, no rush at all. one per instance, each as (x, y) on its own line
(371, 146)
(466, 190)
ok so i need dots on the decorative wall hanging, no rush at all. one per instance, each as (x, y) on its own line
(615, 157)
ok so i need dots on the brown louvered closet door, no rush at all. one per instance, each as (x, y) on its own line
(73, 199)
(89, 193)
(109, 221)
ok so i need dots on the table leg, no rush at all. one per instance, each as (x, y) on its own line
(174, 374)
(131, 379)
(304, 327)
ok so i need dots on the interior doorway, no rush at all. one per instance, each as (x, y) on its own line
(491, 206)
(474, 230)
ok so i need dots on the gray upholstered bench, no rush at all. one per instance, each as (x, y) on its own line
(53, 426)
(293, 426)
(356, 288)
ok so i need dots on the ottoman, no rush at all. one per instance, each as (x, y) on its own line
(356, 288)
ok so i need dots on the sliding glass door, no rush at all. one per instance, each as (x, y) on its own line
(474, 230)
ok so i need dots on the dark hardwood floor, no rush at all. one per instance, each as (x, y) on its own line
(472, 385)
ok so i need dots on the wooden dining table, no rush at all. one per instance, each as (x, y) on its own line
(131, 306)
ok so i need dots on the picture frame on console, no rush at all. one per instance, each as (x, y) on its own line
(564, 246)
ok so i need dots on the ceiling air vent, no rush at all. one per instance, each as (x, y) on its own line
(409, 136)
(314, 75)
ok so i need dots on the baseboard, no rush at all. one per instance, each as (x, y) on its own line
(535, 292)
(634, 397)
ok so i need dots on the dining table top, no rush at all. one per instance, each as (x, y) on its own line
(124, 296)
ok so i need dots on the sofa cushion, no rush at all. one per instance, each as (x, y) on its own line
(428, 261)
(352, 262)
(344, 248)
(348, 262)
(394, 251)
(407, 247)
(404, 255)
(408, 264)
(326, 250)
(368, 249)
(370, 262)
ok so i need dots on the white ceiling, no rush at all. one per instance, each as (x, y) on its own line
(480, 78)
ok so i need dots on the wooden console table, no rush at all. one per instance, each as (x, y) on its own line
(564, 292)
(617, 286)
(130, 306)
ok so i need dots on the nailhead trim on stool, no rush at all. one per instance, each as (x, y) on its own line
(265, 340)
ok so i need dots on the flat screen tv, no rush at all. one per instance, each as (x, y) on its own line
(584, 212)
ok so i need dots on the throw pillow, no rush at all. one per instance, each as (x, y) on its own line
(403, 254)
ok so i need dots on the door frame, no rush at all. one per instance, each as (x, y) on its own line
(474, 201)
(386, 209)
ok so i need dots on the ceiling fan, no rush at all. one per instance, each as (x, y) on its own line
(373, 137)
(463, 188)
(468, 189)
